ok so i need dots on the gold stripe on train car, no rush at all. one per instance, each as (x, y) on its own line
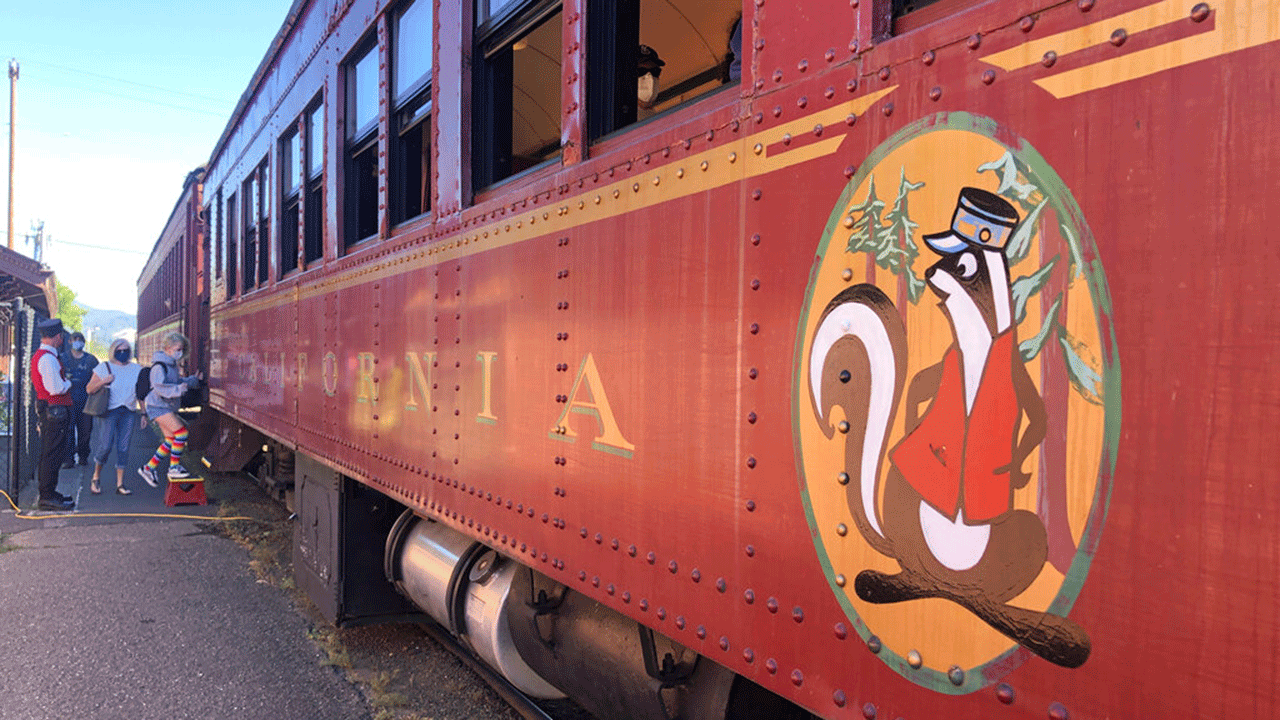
(1237, 25)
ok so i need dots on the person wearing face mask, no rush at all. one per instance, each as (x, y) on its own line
(79, 366)
(115, 427)
(167, 386)
(648, 70)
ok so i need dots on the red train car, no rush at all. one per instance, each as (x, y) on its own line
(172, 292)
(791, 375)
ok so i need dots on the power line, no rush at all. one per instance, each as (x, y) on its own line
(100, 91)
(127, 82)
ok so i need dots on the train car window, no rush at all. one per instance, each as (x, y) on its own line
(648, 56)
(313, 232)
(360, 199)
(249, 238)
(910, 14)
(290, 197)
(217, 235)
(264, 212)
(232, 245)
(516, 103)
(411, 119)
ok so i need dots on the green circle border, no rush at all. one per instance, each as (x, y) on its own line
(1064, 204)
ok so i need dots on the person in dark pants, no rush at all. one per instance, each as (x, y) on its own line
(53, 408)
(79, 366)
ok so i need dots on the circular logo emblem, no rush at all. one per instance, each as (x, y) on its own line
(957, 405)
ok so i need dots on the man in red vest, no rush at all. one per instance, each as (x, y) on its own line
(53, 407)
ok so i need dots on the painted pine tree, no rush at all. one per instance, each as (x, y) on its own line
(889, 238)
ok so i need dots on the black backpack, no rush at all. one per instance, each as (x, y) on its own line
(142, 387)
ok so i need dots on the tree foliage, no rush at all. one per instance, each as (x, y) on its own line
(71, 312)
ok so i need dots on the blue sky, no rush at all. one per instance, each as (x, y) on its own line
(116, 103)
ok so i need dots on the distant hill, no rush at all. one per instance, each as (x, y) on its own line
(101, 326)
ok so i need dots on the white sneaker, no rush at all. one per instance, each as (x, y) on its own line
(148, 475)
(177, 471)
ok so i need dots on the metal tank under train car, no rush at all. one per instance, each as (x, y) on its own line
(792, 375)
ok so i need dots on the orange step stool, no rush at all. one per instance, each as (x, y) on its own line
(185, 491)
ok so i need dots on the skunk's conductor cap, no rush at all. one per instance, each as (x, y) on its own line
(982, 220)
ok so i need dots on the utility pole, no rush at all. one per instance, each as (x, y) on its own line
(13, 88)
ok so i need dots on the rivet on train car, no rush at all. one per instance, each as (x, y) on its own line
(956, 675)
(888, 109)
(874, 645)
(733, 157)
(843, 426)
(1026, 23)
(797, 678)
(662, 613)
(817, 130)
(704, 165)
(609, 589)
(646, 158)
(1118, 37)
(686, 143)
(777, 75)
(582, 204)
(869, 711)
(797, 614)
(656, 181)
(840, 579)
(666, 152)
(614, 543)
(751, 462)
(1200, 12)
(652, 557)
(635, 187)
(988, 77)
(848, 223)
(711, 135)
(771, 665)
(842, 529)
(974, 41)
(759, 118)
(701, 632)
(616, 193)
(838, 697)
(597, 200)
(724, 643)
(884, 73)
(841, 631)
(756, 194)
(696, 575)
(842, 478)
(679, 172)
(914, 659)
(751, 418)
(1005, 693)
(853, 46)
(829, 93)
(935, 93)
(582, 575)
(679, 622)
(673, 567)
(928, 57)
(1050, 57)
(599, 539)
(849, 170)
(1058, 711)
(755, 239)
(754, 329)
(1085, 5)
(644, 605)
(759, 148)
(755, 284)
(751, 506)
(595, 581)
(803, 65)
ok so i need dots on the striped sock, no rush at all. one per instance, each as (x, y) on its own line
(162, 454)
(178, 442)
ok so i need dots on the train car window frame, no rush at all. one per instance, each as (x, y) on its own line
(248, 260)
(218, 243)
(313, 179)
(360, 179)
(411, 116)
(907, 15)
(289, 152)
(233, 245)
(624, 43)
(264, 221)
(497, 37)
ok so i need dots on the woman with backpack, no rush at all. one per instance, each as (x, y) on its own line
(116, 425)
(167, 386)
